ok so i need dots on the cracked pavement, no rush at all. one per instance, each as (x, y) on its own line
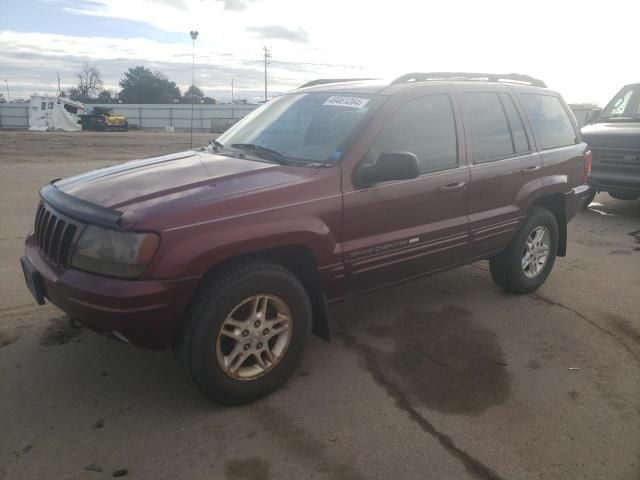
(445, 377)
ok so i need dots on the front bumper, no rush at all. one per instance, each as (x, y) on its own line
(615, 182)
(146, 313)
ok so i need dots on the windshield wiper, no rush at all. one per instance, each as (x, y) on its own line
(619, 117)
(276, 157)
(262, 152)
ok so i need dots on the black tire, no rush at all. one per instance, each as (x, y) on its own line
(506, 267)
(216, 297)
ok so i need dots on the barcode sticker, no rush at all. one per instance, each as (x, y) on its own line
(351, 102)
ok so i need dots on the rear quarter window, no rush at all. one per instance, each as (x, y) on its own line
(549, 120)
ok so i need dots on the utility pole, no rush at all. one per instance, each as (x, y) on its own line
(232, 113)
(194, 35)
(8, 95)
(58, 83)
(267, 56)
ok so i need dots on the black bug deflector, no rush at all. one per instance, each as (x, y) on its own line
(79, 209)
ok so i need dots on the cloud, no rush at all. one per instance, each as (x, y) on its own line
(100, 7)
(278, 32)
(29, 68)
(235, 5)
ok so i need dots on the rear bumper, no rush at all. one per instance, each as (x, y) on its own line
(574, 200)
(145, 313)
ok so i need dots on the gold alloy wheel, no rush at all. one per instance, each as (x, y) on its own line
(254, 337)
(536, 251)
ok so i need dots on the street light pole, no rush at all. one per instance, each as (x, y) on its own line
(267, 56)
(194, 35)
(8, 95)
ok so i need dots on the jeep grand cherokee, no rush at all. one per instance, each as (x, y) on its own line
(231, 254)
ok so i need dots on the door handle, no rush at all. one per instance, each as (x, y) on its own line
(530, 169)
(452, 187)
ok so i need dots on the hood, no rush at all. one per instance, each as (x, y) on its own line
(159, 180)
(613, 134)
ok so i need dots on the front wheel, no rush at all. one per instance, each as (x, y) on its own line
(245, 332)
(526, 263)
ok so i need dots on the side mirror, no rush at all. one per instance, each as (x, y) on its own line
(593, 115)
(392, 166)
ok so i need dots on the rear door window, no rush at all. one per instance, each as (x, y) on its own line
(490, 133)
(550, 120)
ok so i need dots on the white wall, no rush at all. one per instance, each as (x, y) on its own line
(210, 118)
(14, 115)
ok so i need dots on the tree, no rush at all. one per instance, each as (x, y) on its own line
(73, 93)
(141, 85)
(195, 91)
(192, 93)
(107, 96)
(89, 84)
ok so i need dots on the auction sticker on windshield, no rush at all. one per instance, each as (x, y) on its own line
(351, 102)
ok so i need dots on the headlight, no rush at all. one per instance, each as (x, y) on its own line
(114, 253)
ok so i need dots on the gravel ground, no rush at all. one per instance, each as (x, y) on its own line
(441, 378)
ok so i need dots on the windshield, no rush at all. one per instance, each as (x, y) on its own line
(305, 127)
(625, 104)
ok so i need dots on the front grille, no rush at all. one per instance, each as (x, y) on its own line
(54, 235)
(622, 161)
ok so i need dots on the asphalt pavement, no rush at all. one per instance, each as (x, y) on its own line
(445, 377)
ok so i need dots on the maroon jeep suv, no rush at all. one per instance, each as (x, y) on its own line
(232, 253)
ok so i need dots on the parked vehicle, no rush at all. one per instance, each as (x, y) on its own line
(103, 119)
(614, 138)
(231, 254)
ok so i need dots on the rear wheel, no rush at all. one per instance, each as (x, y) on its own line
(526, 263)
(245, 332)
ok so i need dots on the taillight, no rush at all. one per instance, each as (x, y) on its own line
(588, 162)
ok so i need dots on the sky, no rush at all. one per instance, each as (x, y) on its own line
(584, 49)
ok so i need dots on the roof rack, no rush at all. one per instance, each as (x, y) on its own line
(325, 81)
(486, 77)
